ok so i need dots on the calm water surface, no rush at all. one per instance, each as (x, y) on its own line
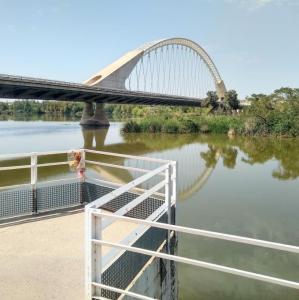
(244, 186)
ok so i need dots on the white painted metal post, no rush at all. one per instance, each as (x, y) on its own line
(89, 271)
(168, 194)
(98, 252)
(90, 248)
(82, 174)
(34, 181)
(93, 253)
(168, 203)
(33, 169)
(174, 183)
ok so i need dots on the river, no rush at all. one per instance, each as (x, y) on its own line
(243, 186)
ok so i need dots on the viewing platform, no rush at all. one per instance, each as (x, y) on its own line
(78, 234)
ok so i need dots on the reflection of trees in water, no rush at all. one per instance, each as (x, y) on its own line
(258, 150)
(228, 154)
(285, 151)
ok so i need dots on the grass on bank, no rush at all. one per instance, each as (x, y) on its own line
(278, 125)
(215, 124)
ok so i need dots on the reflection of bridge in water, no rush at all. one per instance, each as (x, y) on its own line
(193, 172)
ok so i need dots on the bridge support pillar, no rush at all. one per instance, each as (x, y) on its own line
(94, 117)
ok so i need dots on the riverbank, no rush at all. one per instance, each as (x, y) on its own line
(216, 124)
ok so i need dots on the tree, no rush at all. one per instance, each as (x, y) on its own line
(286, 93)
(211, 100)
(231, 98)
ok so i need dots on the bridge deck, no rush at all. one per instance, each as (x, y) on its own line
(17, 87)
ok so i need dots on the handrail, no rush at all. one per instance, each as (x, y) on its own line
(158, 160)
(205, 233)
(202, 264)
(167, 186)
(6, 157)
(194, 262)
(125, 188)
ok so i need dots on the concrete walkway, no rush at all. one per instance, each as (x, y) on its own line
(44, 259)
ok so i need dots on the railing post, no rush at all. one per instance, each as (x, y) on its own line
(168, 203)
(34, 181)
(174, 274)
(168, 193)
(174, 183)
(93, 252)
(82, 178)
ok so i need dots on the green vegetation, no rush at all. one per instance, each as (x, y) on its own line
(31, 107)
(275, 114)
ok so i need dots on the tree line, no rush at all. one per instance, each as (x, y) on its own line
(33, 107)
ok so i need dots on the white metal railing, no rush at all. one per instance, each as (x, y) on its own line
(98, 220)
(33, 165)
(197, 232)
(165, 173)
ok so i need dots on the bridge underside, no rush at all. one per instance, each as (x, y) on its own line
(14, 87)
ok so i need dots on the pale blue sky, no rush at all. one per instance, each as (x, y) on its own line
(254, 43)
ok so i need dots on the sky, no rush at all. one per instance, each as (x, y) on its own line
(254, 43)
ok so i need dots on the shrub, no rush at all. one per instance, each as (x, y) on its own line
(131, 126)
(170, 126)
(188, 126)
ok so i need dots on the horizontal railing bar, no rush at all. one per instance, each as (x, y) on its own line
(136, 201)
(60, 163)
(125, 188)
(117, 166)
(129, 156)
(120, 184)
(203, 264)
(28, 154)
(55, 152)
(205, 233)
(114, 253)
(38, 165)
(15, 167)
(121, 291)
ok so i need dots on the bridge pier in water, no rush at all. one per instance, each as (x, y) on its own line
(94, 116)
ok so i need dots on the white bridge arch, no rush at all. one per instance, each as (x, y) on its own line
(118, 73)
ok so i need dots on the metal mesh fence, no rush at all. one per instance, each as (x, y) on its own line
(52, 196)
(121, 273)
(16, 202)
(93, 191)
(58, 196)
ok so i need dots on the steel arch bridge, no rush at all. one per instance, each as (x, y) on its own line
(174, 71)
(174, 66)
